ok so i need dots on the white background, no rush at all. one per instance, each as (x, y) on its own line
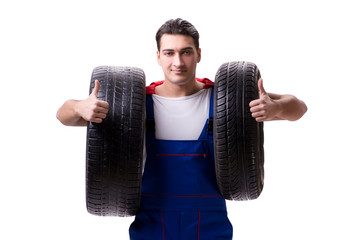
(307, 48)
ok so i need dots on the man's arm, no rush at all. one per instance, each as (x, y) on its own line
(79, 112)
(271, 106)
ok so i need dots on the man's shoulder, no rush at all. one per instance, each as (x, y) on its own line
(207, 82)
(151, 88)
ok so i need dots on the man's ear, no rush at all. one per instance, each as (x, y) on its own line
(199, 55)
(158, 57)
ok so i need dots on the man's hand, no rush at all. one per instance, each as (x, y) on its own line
(264, 108)
(92, 109)
(271, 106)
(79, 112)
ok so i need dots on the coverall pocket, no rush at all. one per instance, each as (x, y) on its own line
(215, 225)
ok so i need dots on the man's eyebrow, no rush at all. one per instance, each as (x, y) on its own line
(171, 50)
(187, 48)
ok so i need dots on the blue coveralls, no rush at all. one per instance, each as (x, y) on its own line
(180, 199)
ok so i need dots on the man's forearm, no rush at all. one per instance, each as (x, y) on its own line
(68, 115)
(290, 107)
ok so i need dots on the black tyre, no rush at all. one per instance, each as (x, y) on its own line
(238, 138)
(114, 151)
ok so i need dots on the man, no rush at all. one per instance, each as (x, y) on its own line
(180, 199)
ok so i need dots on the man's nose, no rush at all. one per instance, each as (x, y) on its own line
(178, 60)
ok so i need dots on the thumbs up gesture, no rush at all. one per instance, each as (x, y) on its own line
(92, 109)
(265, 108)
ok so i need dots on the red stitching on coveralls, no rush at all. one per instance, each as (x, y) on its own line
(162, 219)
(198, 227)
(181, 155)
(161, 195)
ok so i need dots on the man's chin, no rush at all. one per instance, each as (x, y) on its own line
(179, 80)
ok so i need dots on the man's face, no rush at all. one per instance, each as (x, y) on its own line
(178, 58)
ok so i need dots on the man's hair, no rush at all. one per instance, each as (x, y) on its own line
(178, 26)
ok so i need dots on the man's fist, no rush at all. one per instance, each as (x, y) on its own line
(92, 109)
(264, 108)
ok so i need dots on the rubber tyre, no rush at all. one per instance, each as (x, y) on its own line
(114, 149)
(238, 138)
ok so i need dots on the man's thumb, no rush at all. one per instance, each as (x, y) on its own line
(96, 89)
(261, 87)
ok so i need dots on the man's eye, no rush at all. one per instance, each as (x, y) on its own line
(168, 53)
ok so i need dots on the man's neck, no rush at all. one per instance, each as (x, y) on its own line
(171, 90)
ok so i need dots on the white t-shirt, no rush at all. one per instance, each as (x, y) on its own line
(181, 118)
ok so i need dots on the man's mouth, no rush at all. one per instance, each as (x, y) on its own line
(178, 71)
